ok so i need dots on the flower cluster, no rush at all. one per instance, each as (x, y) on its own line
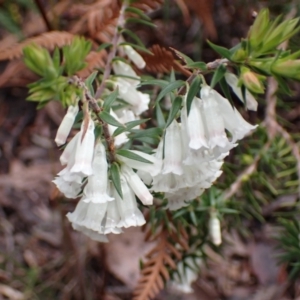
(193, 150)
(187, 160)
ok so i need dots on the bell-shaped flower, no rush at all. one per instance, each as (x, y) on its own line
(173, 150)
(135, 57)
(69, 150)
(121, 68)
(89, 215)
(233, 121)
(182, 197)
(130, 215)
(96, 189)
(193, 125)
(112, 219)
(66, 125)
(232, 80)
(137, 185)
(85, 149)
(215, 128)
(70, 189)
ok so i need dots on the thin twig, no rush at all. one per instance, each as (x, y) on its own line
(97, 110)
(44, 15)
(112, 54)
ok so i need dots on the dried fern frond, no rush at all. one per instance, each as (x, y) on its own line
(165, 254)
(98, 21)
(49, 40)
(94, 60)
(162, 61)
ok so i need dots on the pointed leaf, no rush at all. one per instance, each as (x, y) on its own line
(116, 179)
(225, 89)
(169, 88)
(109, 100)
(193, 91)
(218, 75)
(224, 52)
(176, 105)
(109, 119)
(139, 21)
(132, 155)
(160, 117)
(197, 65)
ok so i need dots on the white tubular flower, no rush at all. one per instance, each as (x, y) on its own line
(66, 125)
(127, 207)
(232, 80)
(182, 197)
(70, 189)
(89, 215)
(112, 218)
(94, 235)
(121, 68)
(215, 229)
(120, 139)
(137, 185)
(194, 125)
(96, 189)
(85, 150)
(173, 150)
(233, 120)
(135, 57)
(69, 150)
(139, 101)
(215, 128)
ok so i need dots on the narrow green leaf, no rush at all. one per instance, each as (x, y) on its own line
(132, 124)
(160, 117)
(140, 21)
(193, 91)
(218, 75)
(225, 89)
(183, 57)
(89, 82)
(161, 83)
(150, 132)
(224, 52)
(131, 155)
(103, 46)
(116, 179)
(197, 65)
(133, 36)
(169, 88)
(138, 12)
(109, 119)
(118, 131)
(176, 105)
(110, 99)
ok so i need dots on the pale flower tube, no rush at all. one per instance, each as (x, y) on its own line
(66, 125)
(135, 57)
(97, 186)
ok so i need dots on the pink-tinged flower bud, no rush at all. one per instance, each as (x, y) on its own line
(135, 57)
(252, 81)
(66, 125)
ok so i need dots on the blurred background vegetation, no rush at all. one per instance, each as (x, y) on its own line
(257, 196)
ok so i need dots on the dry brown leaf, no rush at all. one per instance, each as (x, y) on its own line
(49, 40)
(162, 61)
